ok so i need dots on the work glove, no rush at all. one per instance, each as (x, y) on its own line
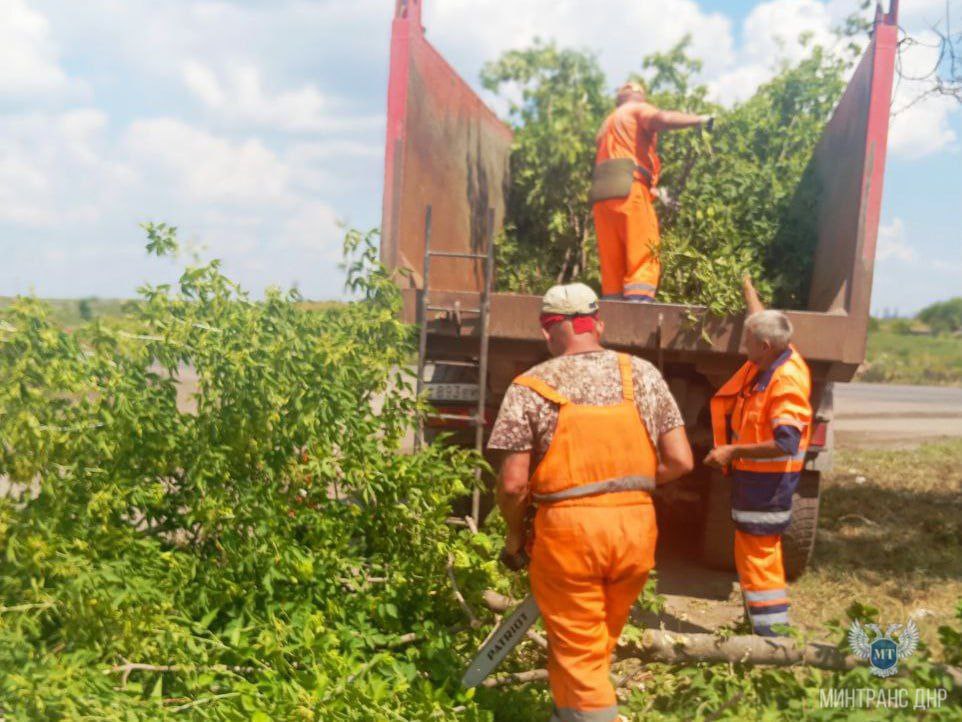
(662, 195)
(515, 562)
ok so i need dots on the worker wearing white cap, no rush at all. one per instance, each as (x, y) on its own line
(588, 435)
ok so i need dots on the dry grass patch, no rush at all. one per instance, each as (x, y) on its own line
(890, 535)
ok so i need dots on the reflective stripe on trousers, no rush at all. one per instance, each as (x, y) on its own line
(761, 517)
(761, 574)
(567, 714)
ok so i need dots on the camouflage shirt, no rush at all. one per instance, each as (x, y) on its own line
(527, 420)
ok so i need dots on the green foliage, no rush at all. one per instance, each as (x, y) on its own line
(951, 639)
(897, 355)
(743, 196)
(944, 316)
(261, 552)
(84, 310)
(746, 202)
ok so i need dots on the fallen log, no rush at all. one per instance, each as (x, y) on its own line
(679, 649)
(671, 648)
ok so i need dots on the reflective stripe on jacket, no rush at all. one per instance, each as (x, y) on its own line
(746, 410)
(598, 454)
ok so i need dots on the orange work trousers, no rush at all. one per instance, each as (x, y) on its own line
(628, 240)
(761, 574)
(588, 565)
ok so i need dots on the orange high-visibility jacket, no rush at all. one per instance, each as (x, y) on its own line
(746, 410)
(625, 133)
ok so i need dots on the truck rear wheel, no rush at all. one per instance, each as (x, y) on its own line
(798, 540)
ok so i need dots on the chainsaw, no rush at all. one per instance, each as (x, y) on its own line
(507, 635)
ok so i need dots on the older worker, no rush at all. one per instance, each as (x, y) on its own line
(761, 419)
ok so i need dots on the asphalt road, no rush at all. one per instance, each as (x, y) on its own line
(886, 414)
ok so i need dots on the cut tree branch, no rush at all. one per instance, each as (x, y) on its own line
(501, 680)
(684, 649)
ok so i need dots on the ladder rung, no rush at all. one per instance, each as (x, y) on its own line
(452, 309)
(445, 362)
(454, 417)
(456, 254)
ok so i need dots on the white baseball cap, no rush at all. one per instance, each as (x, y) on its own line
(571, 299)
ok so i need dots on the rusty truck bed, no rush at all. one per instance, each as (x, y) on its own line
(446, 149)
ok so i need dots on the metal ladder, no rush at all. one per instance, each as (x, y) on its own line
(482, 311)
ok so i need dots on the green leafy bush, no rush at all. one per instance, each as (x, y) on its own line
(264, 553)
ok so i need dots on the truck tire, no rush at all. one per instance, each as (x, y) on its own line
(798, 541)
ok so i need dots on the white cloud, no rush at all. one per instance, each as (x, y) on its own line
(312, 228)
(239, 97)
(254, 126)
(910, 274)
(28, 56)
(770, 36)
(55, 168)
(206, 168)
(920, 128)
(470, 32)
(892, 244)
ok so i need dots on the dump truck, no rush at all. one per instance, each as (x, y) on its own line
(445, 180)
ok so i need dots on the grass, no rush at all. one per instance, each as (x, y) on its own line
(890, 535)
(73, 312)
(894, 356)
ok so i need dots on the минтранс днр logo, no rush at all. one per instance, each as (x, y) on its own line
(884, 651)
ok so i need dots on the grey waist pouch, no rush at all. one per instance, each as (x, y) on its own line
(612, 179)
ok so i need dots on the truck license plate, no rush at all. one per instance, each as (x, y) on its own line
(452, 392)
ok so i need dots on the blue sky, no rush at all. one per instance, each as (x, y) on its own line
(257, 127)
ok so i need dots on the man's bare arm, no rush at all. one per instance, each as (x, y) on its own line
(676, 120)
(674, 455)
(513, 497)
(752, 301)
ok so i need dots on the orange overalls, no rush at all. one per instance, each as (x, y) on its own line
(627, 228)
(748, 409)
(594, 542)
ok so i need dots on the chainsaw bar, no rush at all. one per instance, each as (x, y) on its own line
(505, 638)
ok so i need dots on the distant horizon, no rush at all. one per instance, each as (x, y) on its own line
(884, 314)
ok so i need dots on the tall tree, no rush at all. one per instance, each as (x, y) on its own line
(557, 99)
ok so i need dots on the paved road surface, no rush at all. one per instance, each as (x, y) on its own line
(885, 414)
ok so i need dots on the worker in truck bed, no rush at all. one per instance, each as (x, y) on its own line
(624, 182)
(589, 434)
(762, 419)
